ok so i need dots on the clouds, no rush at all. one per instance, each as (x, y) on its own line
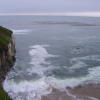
(48, 6)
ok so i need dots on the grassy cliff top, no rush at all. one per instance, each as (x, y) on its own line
(5, 35)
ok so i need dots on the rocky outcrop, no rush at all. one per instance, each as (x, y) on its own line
(7, 58)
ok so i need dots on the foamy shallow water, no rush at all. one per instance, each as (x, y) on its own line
(35, 89)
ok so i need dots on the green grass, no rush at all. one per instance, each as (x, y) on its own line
(5, 31)
(5, 35)
(3, 95)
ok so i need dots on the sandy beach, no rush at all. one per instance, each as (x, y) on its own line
(86, 92)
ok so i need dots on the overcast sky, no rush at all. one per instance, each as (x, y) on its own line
(48, 6)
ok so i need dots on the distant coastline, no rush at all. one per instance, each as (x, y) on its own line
(80, 14)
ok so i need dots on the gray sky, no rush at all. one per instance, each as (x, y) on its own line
(48, 6)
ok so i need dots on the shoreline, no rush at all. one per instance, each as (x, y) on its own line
(85, 92)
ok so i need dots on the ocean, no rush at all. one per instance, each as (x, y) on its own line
(57, 58)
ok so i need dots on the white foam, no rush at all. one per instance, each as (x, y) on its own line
(73, 96)
(38, 55)
(21, 31)
(29, 90)
(91, 98)
(94, 74)
(33, 90)
(86, 39)
(77, 65)
(91, 57)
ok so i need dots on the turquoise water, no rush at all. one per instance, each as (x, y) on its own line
(52, 52)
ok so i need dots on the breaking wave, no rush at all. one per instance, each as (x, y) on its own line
(21, 31)
(34, 89)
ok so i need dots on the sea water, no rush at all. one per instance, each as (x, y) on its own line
(52, 52)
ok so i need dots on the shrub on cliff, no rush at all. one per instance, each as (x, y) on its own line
(5, 35)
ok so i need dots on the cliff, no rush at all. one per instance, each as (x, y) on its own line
(7, 57)
(7, 52)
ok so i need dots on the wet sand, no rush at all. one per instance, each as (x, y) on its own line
(57, 95)
(86, 92)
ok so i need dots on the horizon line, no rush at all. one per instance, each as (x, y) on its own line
(82, 14)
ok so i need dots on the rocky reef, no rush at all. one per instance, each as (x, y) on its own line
(7, 56)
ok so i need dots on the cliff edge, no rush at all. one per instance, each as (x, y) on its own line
(7, 57)
(7, 52)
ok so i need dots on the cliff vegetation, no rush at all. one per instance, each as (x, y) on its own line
(5, 35)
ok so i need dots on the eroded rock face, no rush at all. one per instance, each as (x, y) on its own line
(7, 59)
